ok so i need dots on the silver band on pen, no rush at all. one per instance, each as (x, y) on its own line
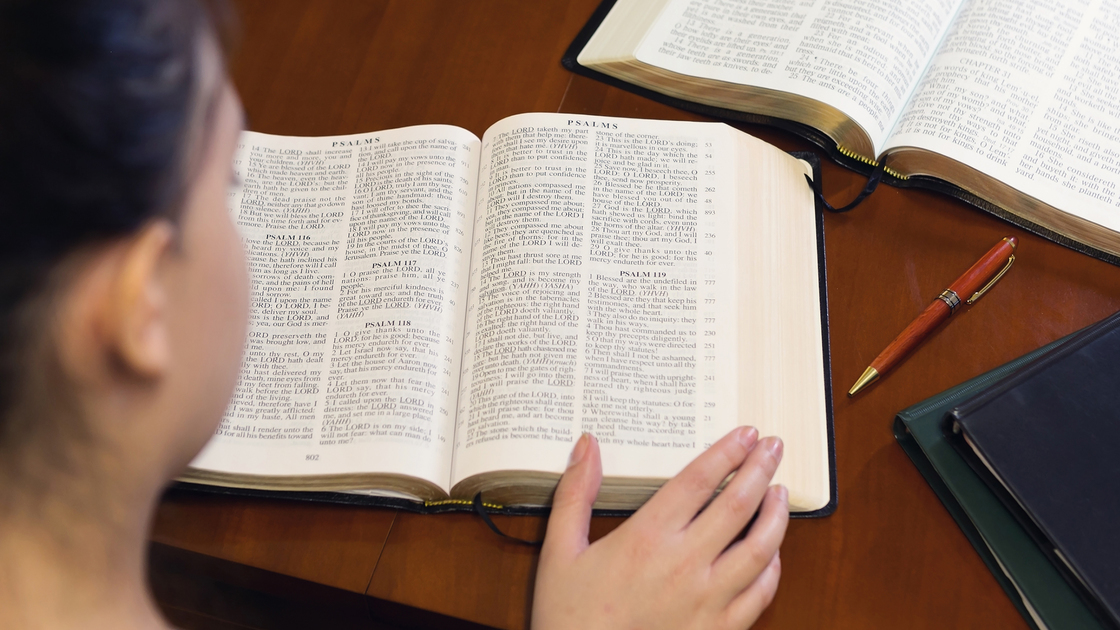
(950, 298)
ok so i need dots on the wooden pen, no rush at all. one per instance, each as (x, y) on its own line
(975, 282)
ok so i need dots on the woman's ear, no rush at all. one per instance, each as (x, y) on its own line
(136, 322)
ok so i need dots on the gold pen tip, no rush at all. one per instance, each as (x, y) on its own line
(868, 377)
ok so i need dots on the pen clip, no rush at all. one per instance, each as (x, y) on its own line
(992, 282)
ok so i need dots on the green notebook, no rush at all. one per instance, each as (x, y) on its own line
(1036, 588)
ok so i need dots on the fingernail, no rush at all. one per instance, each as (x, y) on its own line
(748, 437)
(775, 446)
(579, 450)
(783, 493)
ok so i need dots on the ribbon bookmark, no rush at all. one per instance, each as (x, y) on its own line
(872, 184)
(480, 509)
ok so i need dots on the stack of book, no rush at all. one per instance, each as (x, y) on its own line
(1023, 457)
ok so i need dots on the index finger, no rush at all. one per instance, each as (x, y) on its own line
(678, 501)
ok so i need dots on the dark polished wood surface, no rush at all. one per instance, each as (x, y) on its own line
(890, 557)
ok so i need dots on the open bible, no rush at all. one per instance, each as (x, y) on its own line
(434, 316)
(1012, 106)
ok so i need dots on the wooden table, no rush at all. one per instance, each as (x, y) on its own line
(890, 557)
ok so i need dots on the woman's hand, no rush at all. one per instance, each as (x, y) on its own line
(667, 566)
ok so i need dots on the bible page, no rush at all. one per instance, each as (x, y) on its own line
(358, 249)
(862, 57)
(1029, 94)
(601, 295)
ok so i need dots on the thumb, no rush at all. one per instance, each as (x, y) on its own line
(571, 505)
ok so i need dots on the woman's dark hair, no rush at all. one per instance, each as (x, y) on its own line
(97, 103)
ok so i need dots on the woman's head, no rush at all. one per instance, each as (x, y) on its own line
(122, 286)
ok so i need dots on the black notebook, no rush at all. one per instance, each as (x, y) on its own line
(1046, 440)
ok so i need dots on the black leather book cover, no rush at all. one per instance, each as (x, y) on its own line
(1047, 439)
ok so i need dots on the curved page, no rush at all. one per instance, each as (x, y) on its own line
(1026, 92)
(356, 247)
(609, 260)
(862, 57)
